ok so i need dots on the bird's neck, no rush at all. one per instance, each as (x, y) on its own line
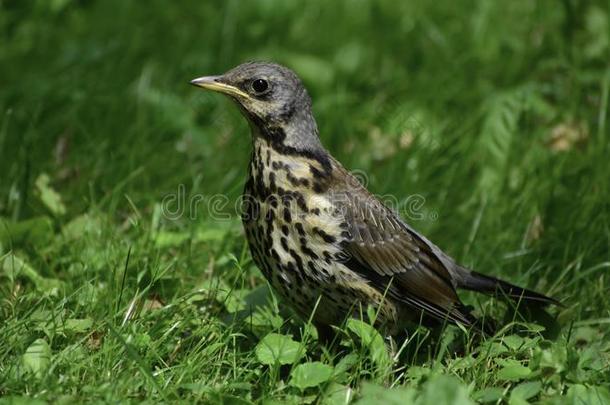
(294, 129)
(284, 171)
(283, 141)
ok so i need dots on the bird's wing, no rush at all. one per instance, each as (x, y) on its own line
(381, 245)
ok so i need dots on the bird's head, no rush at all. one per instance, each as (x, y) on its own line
(274, 101)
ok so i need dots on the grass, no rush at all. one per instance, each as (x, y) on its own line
(493, 115)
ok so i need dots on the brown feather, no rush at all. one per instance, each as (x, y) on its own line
(381, 242)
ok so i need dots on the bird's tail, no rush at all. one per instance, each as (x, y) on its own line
(473, 281)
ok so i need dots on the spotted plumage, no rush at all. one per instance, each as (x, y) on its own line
(327, 246)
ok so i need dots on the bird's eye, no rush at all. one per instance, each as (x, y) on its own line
(260, 86)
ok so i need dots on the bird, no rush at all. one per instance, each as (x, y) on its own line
(326, 245)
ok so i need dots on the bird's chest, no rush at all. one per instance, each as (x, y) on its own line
(293, 231)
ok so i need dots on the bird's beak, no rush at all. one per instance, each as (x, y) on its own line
(215, 83)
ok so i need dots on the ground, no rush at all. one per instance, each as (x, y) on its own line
(124, 274)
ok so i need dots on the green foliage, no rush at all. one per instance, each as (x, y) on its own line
(276, 349)
(49, 197)
(37, 357)
(312, 374)
(440, 389)
(124, 276)
(371, 344)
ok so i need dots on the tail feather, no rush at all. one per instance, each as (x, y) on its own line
(473, 281)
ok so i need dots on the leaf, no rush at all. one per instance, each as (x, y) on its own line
(234, 301)
(81, 226)
(445, 389)
(78, 325)
(512, 370)
(584, 335)
(48, 196)
(13, 266)
(371, 340)
(493, 348)
(580, 394)
(345, 364)
(522, 392)
(262, 320)
(337, 394)
(463, 363)
(417, 374)
(513, 342)
(258, 297)
(308, 375)
(37, 357)
(550, 360)
(489, 394)
(376, 395)
(278, 349)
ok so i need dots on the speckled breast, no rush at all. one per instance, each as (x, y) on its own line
(294, 234)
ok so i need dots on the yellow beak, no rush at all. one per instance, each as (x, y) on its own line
(214, 83)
